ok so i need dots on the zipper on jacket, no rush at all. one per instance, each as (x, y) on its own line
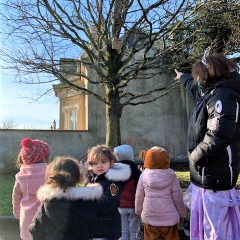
(237, 112)
(203, 172)
(230, 161)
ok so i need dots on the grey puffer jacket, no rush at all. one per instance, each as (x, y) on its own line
(214, 133)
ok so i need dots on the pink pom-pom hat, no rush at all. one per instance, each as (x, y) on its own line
(33, 151)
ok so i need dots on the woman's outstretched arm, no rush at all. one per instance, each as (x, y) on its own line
(187, 81)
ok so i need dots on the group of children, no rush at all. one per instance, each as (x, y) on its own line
(51, 202)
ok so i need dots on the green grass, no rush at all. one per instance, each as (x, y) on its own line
(184, 179)
(6, 186)
(7, 182)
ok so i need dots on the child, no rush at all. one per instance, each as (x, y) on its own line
(159, 198)
(130, 221)
(32, 161)
(112, 177)
(68, 212)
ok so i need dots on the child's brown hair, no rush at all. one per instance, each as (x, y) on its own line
(63, 172)
(98, 151)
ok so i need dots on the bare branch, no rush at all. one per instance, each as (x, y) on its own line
(171, 88)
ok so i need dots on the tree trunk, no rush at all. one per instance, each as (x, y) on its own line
(113, 117)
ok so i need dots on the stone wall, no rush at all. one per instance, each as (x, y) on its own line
(73, 143)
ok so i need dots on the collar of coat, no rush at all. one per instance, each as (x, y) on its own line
(119, 172)
(88, 193)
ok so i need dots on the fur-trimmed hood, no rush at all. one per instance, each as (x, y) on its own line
(119, 172)
(69, 215)
(89, 193)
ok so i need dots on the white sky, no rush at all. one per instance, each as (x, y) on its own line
(26, 112)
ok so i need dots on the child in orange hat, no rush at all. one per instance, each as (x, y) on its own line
(159, 198)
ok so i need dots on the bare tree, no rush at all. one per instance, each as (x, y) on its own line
(9, 123)
(39, 33)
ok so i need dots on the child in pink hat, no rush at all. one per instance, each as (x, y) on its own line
(32, 161)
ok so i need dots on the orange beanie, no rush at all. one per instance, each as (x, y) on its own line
(155, 158)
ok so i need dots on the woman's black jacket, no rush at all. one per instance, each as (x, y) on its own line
(214, 133)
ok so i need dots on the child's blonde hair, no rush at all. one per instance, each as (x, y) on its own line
(63, 172)
(98, 151)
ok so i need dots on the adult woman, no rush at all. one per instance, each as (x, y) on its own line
(214, 148)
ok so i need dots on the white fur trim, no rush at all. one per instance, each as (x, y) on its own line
(119, 172)
(91, 192)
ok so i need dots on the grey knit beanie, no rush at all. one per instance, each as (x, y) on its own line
(124, 152)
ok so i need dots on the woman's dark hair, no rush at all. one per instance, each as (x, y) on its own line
(63, 172)
(98, 151)
(217, 66)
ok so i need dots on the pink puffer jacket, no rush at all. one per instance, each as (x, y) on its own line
(159, 198)
(24, 200)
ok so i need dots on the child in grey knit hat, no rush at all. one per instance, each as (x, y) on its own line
(130, 221)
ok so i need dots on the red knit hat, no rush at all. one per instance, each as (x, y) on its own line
(33, 151)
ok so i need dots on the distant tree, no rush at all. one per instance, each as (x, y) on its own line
(219, 24)
(215, 25)
(39, 33)
(9, 123)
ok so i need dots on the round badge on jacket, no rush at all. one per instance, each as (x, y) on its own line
(114, 189)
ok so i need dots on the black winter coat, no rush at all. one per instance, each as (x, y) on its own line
(66, 216)
(135, 172)
(108, 216)
(214, 133)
